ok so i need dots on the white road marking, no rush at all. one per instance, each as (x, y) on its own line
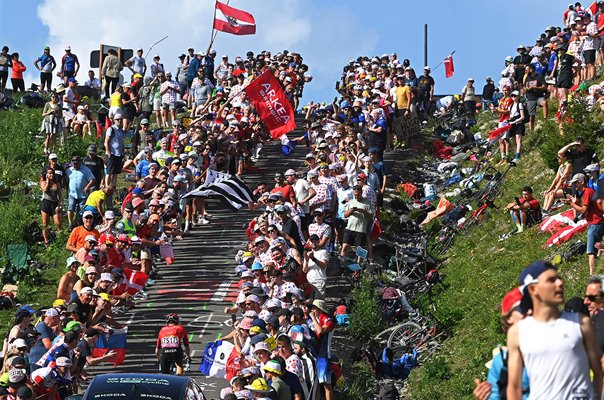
(221, 293)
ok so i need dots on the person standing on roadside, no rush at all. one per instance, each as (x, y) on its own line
(46, 64)
(558, 349)
(110, 72)
(114, 149)
(70, 65)
(137, 64)
(5, 64)
(16, 76)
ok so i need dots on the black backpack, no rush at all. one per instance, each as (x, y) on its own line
(388, 392)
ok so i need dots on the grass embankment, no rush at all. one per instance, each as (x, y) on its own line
(21, 160)
(480, 269)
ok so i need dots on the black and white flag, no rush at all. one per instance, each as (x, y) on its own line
(226, 187)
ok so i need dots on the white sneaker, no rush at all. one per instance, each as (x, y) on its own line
(204, 221)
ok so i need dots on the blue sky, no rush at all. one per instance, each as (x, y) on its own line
(327, 33)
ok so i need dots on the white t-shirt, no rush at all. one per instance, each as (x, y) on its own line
(316, 273)
(301, 191)
(138, 64)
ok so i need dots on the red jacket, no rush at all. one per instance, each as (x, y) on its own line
(18, 69)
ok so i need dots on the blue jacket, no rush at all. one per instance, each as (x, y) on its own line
(495, 373)
(193, 67)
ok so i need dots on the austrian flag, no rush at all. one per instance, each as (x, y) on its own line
(232, 20)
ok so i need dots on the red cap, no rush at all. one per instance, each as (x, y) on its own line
(512, 298)
(107, 238)
(362, 176)
(123, 238)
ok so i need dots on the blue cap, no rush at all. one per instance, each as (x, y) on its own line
(345, 104)
(261, 337)
(138, 190)
(372, 150)
(257, 266)
(259, 323)
(72, 79)
(530, 274)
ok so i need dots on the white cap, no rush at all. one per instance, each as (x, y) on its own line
(106, 277)
(67, 48)
(53, 156)
(17, 343)
(109, 214)
(52, 312)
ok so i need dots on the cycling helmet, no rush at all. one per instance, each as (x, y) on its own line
(172, 318)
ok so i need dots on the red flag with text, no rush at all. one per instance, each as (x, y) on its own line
(272, 105)
(232, 20)
(449, 67)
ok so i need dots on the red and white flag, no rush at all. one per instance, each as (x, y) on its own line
(232, 20)
(272, 105)
(133, 282)
(449, 67)
(593, 9)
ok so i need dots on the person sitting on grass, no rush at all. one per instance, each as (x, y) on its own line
(525, 209)
(559, 184)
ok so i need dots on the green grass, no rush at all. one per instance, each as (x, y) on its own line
(480, 270)
(21, 160)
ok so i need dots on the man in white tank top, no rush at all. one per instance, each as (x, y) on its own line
(558, 349)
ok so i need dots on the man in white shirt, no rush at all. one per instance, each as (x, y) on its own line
(93, 82)
(137, 63)
(315, 265)
(558, 349)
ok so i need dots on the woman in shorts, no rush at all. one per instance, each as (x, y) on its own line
(518, 115)
(52, 198)
(559, 185)
(53, 123)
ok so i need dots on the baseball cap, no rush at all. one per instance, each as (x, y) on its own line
(105, 296)
(64, 361)
(578, 177)
(259, 385)
(257, 266)
(72, 260)
(87, 214)
(106, 277)
(90, 270)
(53, 156)
(86, 290)
(18, 343)
(51, 312)
(320, 304)
(72, 326)
(109, 214)
(530, 274)
(72, 308)
(246, 323)
(511, 298)
(137, 202)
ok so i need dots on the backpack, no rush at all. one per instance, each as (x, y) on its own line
(502, 382)
(387, 392)
(574, 250)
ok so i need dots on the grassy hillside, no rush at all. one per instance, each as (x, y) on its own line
(21, 160)
(480, 269)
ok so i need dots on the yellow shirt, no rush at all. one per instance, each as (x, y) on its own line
(401, 96)
(115, 100)
(94, 197)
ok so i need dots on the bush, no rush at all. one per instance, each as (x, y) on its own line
(366, 320)
(361, 382)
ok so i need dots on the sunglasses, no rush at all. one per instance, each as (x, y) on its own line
(271, 231)
(592, 297)
(89, 217)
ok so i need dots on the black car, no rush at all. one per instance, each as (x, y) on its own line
(141, 386)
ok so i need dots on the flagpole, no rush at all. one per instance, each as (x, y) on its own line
(441, 63)
(214, 31)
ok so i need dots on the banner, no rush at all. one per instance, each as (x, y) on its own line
(232, 20)
(225, 187)
(115, 342)
(449, 67)
(272, 105)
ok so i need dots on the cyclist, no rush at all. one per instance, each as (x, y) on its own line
(169, 345)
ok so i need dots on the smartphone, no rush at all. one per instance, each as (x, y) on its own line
(517, 200)
(338, 86)
(567, 191)
(233, 318)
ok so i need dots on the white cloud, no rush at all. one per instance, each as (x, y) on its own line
(326, 37)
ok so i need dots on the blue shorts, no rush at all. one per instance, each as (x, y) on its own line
(594, 234)
(323, 370)
(72, 201)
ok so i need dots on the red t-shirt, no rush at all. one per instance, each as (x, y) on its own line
(287, 191)
(115, 257)
(593, 215)
(172, 336)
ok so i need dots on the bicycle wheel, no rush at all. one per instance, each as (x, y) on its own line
(405, 337)
(382, 337)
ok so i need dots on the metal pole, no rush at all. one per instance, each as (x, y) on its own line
(425, 45)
